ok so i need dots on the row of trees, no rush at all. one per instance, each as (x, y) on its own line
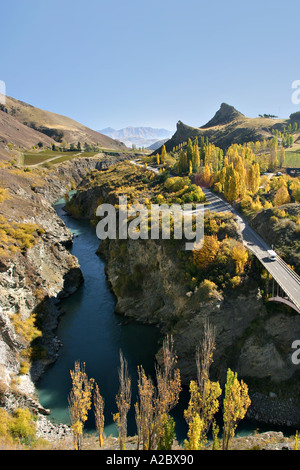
(197, 155)
(237, 173)
(155, 425)
(193, 156)
(75, 147)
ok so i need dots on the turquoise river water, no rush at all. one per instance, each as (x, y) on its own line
(93, 333)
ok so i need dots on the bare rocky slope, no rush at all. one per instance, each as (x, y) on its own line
(34, 276)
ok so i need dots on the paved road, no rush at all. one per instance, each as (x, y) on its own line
(287, 279)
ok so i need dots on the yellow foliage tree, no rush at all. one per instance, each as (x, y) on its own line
(236, 403)
(123, 400)
(206, 255)
(99, 413)
(80, 401)
(239, 255)
(282, 196)
(204, 394)
(155, 403)
(163, 154)
(145, 410)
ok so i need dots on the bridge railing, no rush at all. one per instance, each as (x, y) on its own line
(289, 269)
(279, 282)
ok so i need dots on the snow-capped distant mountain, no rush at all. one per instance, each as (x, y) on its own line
(139, 136)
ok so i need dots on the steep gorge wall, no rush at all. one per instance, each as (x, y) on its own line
(34, 280)
(251, 339)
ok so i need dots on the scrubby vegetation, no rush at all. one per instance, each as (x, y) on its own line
(27, 331)
(17, 237)
(139, 185)
(18, 430)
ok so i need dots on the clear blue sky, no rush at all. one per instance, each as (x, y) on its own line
(151, 63)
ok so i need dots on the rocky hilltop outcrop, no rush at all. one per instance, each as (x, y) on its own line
(228, 126)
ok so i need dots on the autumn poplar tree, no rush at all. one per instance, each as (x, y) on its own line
(163, 154)
(239, 255)
(196, 156)
(99, 413)
(204, 395)
(281, 156)
(123, 400)
(80, 401)
(236, 403)
(282, 196)
(154, 424)
(233, 187)
(145, 410)
(168, 386)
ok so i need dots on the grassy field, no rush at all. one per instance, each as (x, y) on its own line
(33, 158)
(292, 159)
(40, 157)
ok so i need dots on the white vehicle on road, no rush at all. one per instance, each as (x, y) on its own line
(272, 255)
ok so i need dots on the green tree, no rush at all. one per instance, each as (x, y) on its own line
(167, 437)
(182, 163)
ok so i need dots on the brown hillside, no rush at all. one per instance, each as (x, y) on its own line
(55, 124)
(15, 136)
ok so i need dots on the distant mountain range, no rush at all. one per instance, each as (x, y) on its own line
(139, 136)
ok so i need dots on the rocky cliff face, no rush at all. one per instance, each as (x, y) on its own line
(33, 280)
(250, 338)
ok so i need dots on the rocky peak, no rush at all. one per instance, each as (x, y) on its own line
(224, 115)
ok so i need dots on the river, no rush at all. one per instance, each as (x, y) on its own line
(91, 332)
